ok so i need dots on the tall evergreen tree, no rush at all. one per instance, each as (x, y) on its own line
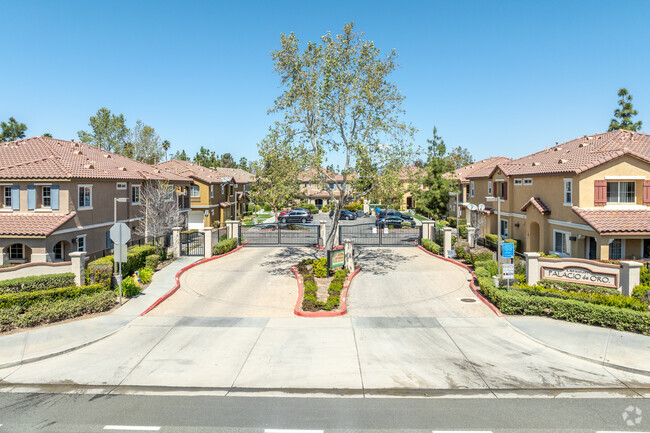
(623, 115)
(433, 198)
(108, 131)
(12, 130)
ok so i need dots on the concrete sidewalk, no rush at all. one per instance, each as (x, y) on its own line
(44, 342)
(605, 346)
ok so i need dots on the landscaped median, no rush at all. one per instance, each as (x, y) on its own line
(318, 294)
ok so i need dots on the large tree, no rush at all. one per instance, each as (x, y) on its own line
(108, 131)
(460, 157)
(277, 171)
(623, 115)
(339, 103)
(181, 156)
(433, 198)
(145, 145)
(166, 145)
(12, 130)
(205, 158)
(159, 213)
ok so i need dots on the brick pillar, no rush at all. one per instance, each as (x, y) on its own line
(532, 268)
(322, 237)
(348, 248)
(446, 244)
(471, 237)
(78, 259)
(630, 276)
(176, 241)
(207, 242)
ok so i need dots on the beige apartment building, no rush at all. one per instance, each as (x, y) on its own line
(311, 189)
(586, 198)
(58, 197)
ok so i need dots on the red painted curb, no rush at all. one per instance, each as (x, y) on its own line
(178, 277)
(490, 305)
(335, 248)
(344, 294)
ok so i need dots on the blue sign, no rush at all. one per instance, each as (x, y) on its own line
(508, 250)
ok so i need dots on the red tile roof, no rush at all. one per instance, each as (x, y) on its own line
(192, 170)
(477, 170)
(240, 176)
(32, 224)
(312, 175)
(581, 154)
(49, 158)
(616, 222)
(538, 204)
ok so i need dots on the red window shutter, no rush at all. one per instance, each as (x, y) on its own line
(600, 192)
(646, 192)
(494, 189)
(505, 190)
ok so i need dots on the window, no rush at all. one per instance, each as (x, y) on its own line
(489, 187)
(646, 248)
(17, 252)
(46, 197)
(518, 182)
(135, 194)
(504, 229)
(85, 196)
(568, 192)
(471, 187)
(7, 196)
(81, 243)
(194, 191)
(211, 191)
(58, 250)
(561, 242)
(528, 181)
(621, 192)
(616, 249)
(121, 185)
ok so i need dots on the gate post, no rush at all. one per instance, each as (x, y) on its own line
(348, 248)
(207, 242)
(471, 237)
(447, 241)
(532, 268)
(322, 234)
(427, 227)
(176, 241)
(630, 276)
(78, 259)
(232, 229)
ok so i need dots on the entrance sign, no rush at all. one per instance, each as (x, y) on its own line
(508, 250)
(335, 259)
(508, 271)
(579, 274)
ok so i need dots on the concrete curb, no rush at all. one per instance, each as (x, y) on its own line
(178, 278)
(472, 286)
(344, 295)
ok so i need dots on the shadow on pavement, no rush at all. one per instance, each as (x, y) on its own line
(279, 262)
(381, 260)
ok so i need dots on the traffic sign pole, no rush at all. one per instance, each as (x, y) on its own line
(120, 266)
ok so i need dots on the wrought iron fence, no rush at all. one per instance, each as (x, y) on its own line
(279, 234)
(370, 234)
(192, 243)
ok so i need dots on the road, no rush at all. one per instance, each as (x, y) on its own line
(65, 413)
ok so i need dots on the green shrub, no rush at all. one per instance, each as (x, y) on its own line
(320, 267)
(482, 273)
(576, 287)
(310, 206)
(151, 261)
(642, 293)
(481, 256)
(129, 287)
(452, 221)
(617, 300)
(442, 223)
(462, 231)
(491, 266)
(341, 274)
(521, 278)
(100, 270)
(548, 256)
(40, 282)
(223, 237)
(24, 299)
(145, 274)
(225, 246)
(460, 252)
(352, 207)
(520, 266)
(431, 246)
(462, 222)
(492, 238)
(645, 276)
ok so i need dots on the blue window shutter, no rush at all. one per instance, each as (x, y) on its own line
(31, 197)
(109, 242)
(15, 197)
(54, 197)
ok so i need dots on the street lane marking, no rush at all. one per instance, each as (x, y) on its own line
(273, 430)
(131, 427)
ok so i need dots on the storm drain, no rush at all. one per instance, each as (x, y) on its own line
(468, 300)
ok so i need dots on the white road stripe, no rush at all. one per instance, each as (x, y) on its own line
(274, 430)
(132, 427)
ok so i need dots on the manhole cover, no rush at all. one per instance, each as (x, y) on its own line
(467, 300)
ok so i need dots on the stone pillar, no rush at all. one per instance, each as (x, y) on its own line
(630, 276)
(176, 241)
(348, 248)
(366, 208)
(322, 237)
(468, 216)
(532, 268)
(207, 242)
(78, 259)
(232, 229)
(446, 244)
(4, 257)
(427, 229)
(471, 237)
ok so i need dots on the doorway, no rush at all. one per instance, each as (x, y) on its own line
(533, 243)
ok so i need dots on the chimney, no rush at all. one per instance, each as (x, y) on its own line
(72, 139)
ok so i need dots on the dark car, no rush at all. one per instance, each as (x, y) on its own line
(295, 216)
(406, 216)
(345, 215)
(360, 213)
(395, 221)
(311, 217)
(389, 212)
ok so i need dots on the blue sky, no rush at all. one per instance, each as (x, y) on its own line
(499, 78)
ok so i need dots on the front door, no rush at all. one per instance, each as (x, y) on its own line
(591, 248)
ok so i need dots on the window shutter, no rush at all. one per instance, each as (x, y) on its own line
(54, 197)
(495, 186)
(505, 190)
(108, 240)
(31, 197)
(15, 197)
(600, 192)
(646, 192)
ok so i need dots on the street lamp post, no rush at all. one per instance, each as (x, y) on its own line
(451, 194)
(498, 200)
(115, 200)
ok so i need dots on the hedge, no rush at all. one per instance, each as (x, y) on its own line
(452, 221)
(152, 261)
(224, 246)
(100, 270)
(490, 265)
(431, 246)
(617, 300)
(576, 287)
(462, 231)
(41, 282)
(310, 300)
(492, 238)
(24, 299)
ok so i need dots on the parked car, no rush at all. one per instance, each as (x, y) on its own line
(295, 216)
(406, 216)
(345, 215)
(360, 213)
(311, 217)
(393, 220)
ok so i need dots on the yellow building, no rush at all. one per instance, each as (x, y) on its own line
(587, 198)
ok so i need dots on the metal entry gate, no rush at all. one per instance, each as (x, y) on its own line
(279, 234)
(370, 234)
(192, 243)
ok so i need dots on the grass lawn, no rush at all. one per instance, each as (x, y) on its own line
(421, 218)
(260, 218)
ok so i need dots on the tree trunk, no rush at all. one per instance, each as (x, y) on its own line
(334, 230)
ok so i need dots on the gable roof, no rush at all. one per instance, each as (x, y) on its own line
(581, 154)
(240, 176)
(616, 222)
(476, 170)
(50, 158)
(538, 204)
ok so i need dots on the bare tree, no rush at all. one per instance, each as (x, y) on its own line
(160, 211)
